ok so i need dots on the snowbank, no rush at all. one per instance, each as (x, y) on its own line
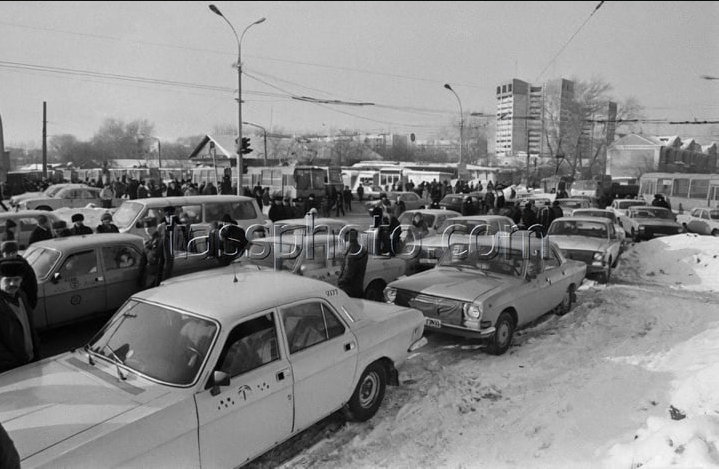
(687, 261)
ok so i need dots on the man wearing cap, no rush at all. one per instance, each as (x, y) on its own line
(60, 229)
(107, 226)
(79, 227)
(42, 231)
(9, 250)
(153, 256)
(18, 339)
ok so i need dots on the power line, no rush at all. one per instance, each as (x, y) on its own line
(570, 40)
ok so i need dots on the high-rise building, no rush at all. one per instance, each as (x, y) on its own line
(532, 118)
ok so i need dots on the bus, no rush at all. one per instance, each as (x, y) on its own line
(683, 191)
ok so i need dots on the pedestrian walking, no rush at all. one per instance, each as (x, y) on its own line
(354, 265)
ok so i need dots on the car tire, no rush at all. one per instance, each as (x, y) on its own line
(368, 394)
(375, 291)
(715, 232)
(502, 338)
(567, 301)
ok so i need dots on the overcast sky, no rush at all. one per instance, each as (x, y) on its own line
(397, 55)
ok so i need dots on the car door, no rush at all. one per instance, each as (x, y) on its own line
(246, 418)
(121, 264)
(76, 288)
(556, 277)
(323, 356)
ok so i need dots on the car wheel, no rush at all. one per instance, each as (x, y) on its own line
(504, 332)
(715, 232)
(566, 305)
(368, 394)
(375, 291)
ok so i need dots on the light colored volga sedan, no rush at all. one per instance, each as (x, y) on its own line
(487, 288)
(208, 373)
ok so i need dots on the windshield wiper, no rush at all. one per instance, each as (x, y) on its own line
(89, 355)
(116, 361)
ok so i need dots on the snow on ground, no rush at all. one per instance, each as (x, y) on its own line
(628, 379)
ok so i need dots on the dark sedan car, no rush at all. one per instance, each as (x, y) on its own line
(456, 202)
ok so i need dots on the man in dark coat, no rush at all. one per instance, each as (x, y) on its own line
(153, 256)
(9, 250)
(19, 343)
(79, 227)
(351, 279)
(169, 234)
(106, 225)
(42, 231)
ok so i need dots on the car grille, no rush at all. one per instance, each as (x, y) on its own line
(448, 310)
(577, 255)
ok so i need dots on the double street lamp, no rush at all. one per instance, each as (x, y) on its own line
(461, 128)
(239, 91)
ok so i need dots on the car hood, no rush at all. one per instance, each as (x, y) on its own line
(583, 243)
(48, 402)
(448, 282)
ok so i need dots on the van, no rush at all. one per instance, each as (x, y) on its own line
(197, 211)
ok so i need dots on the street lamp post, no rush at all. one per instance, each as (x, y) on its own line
(460, 167)
(239, 90)
(264, 133)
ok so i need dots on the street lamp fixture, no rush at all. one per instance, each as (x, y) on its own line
(461, 128)
(217, 11)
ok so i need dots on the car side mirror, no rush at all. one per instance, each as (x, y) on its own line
(56, 277)
(219, 378)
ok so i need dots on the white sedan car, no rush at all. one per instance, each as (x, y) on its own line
(210, 373)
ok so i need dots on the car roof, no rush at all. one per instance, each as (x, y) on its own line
(95, 239)
(27, 214)
(223, 291)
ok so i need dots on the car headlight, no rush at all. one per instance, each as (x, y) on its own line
(641, 228)
(598, 256)
(390, 294)
(472, 311)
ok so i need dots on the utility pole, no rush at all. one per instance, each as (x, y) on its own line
(44, 139)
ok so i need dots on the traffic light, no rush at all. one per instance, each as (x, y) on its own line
(245, 149)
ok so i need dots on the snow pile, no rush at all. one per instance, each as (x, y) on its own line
(687, 261)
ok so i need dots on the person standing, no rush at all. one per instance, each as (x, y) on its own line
(106, 225)
(9, 250)
(347, 197)
(354, 265)
(168, 233)
(152, 260)
(42, 231)
(10, 227)
(19, 343)
(106, 195)
(360, 193)
(79, 227)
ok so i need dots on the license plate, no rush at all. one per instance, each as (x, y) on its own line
(431, 322)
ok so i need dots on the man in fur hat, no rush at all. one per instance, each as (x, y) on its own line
(19, 343)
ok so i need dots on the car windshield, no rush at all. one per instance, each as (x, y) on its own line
(650, 212)
(157, 342)
(629, 203)
(41, 260)
(484, 258)
(578, 228)
(126, 214)
(52, 190)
